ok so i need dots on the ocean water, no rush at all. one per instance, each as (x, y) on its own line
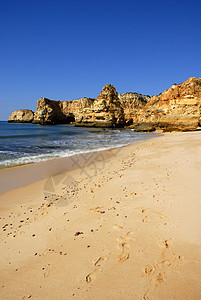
(27, 143)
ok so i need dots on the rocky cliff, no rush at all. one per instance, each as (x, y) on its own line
(105, 111)
(21, 116)
(51, 112)
(178, 108)
(133, 105)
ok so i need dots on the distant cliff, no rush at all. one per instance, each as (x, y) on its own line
(105, 111)
(21, 116)
(178, 108)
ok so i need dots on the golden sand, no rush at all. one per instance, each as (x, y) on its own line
(119, 224)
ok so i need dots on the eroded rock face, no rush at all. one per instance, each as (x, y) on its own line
(105, 111)
(177, 108)
(50, 112)
(21, 116)
(78, 108)
(60, 112)
(133, 105)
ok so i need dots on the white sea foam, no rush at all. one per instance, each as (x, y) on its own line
(45, 157)
(45, 143)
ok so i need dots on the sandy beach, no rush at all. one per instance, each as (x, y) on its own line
(117, 224)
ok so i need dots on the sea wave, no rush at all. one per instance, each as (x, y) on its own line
(44, 157)
(29, 143)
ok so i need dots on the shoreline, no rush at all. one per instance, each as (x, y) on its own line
(11, 177)
(126, 226)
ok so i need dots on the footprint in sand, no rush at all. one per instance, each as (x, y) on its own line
(98, 268)
(150, 211)
(125, 252)
(150, 270)
(124, 246)
(156, 272)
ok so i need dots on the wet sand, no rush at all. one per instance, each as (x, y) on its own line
(123, 224)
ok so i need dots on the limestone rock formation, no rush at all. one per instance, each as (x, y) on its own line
(133, 105)
(105, 111)
(21, 116)
(52, 112)
(177, 108)
(77, 108)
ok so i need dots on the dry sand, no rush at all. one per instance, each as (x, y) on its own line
(126, 225)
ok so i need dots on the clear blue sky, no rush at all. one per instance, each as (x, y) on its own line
(65, 50)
